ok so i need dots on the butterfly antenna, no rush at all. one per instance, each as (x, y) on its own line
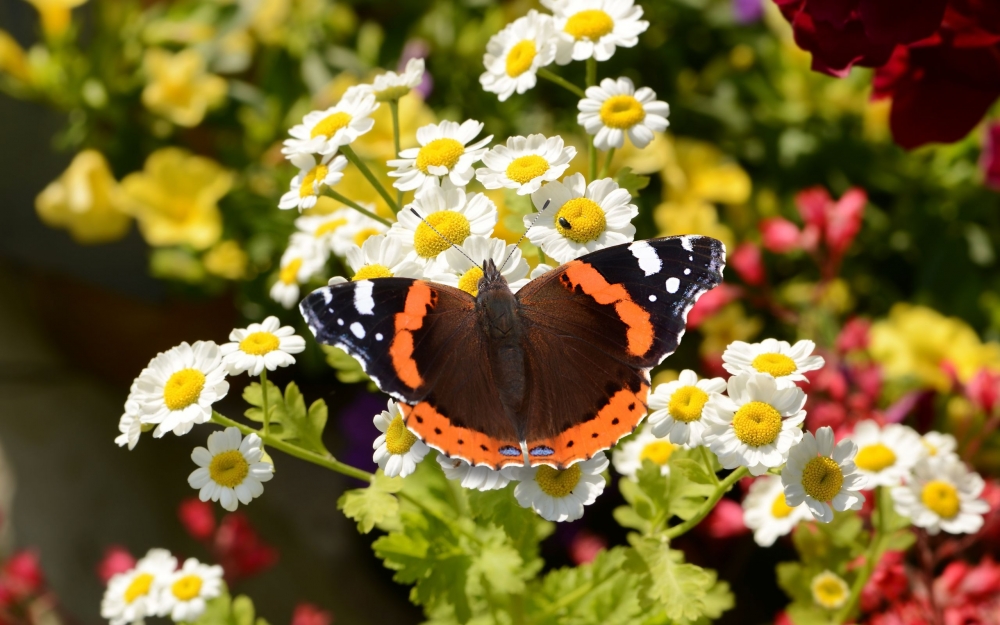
(450, 242)
(518, 244)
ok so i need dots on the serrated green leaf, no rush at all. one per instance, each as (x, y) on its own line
(375, 505)
(630, 181)
(242, 611)
(253, 395)
(499, 566)
(690, 485)
(602, 592)
(289, 419)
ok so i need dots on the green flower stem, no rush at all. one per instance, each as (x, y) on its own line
(882, 499)
(394, 107)
(361, 209)
(706, 507)
(607, 162)
(591, 150)
(352, 156)
(562, 82)
(326, 461)
(709, 465)
(266, 407)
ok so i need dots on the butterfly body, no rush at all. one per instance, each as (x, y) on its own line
(551, 374)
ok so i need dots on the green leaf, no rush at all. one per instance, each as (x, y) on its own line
(647, 496)
(288, 415)
(242, 611)
(690, 485)
(497, 565)
(374, 505)
(601, 592)
(809, 614)
(634, 183)
(217, 611)
(348, 369)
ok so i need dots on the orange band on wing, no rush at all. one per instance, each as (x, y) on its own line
(418, 299)
(640, 329)
(619, 417)
(458, 442)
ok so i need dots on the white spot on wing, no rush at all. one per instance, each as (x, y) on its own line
(340, 322)
(672, 285)
(327, 296)
(686, 244)
(687, 271)
(648, 259)
(363, 301)
(357, 330)
(378, 336)
(652, 298)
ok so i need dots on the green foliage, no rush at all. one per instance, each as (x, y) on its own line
(654, 499)
(225, 610)
(603, 591)
(631, 181)
(375, 505)
(348, 370)
(290, 420)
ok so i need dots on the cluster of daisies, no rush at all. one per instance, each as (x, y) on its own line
(578, 218)
(157, 586)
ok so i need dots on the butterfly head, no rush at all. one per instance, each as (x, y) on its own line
(492, 278)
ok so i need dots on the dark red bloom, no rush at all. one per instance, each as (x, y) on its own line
(117, 559)
(239, 549)
(308, 614)
(989, 162)
(197, 518)
(888, 582)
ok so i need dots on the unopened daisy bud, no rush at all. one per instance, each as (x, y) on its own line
(823, 476)
(559, 494)
(397, 449)
(829, 590)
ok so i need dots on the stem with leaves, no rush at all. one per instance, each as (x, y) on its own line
(562, 82)
(352, 156)
(882, 500)
(706, 507)
(267, 406)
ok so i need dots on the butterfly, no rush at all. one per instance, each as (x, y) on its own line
(552, 374)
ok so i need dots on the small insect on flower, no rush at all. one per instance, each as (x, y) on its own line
(829, 590)
(515, 54)
(616, 109)
(230, 470)
(525, 163)
(942, 494)
(785, 363)
(445, 152)
(313, 176)
(594, 29)
(768, 514)
(474, 478)
(323, 132)
(186, 593)
(559, 495)
(260, 346)
(136, 594)
(397, 449)
(886, 455)
(677, 407)
(823, 476)
(629, 455)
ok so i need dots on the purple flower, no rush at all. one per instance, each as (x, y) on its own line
(417, 49)
(748, 11)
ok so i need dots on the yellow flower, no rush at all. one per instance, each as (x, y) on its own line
(179, 88)
(728, 325)
(694, 217)
(226, 260)
(12, 58)
(55, 14)
(86, 200)
(643, 161)
(698, 171)
(175, 198)
(915, 341)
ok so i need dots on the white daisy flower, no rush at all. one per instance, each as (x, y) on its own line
(230, 470)
(515, 54)
(392, 86)
(766, 512)
(130, 425)
(885, 455)
(303, 259)
(342, 229)
(581, 218)
(134, 595)
(480, 478)
(178, 387)
(323, 132)
(445, 151)
(614, 109)
(453, 214)
(938, 444)
(525, 163)
(559, 495)
(188, 590)
(785, 363)
(312, 177)
(755, 425)
(595, 28)
(677, 407)
(642, 445)
(397, 449)
(829, 590)
(454, 269)
(261, 345)
(942, 494)
(823, 476)
(382, 256)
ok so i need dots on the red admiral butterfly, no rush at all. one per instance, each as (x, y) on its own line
(557, 371)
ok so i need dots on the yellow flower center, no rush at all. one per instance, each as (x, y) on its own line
(139, 587)
(580, 220)
(757, 423)
(187, 588)
(469, 282)
(259, 343)
(931, 449)
(589, 24)
(374, 270)
(776, 364)
(622, 111)
(780, 508)
(520, 57)
(329, 227)
(309, 183)
(822, 478)
(452, 226)
(398, 439)
(329, 125)
(526, 168)
(229, 468)
(556, 483)
(290, 272)
(439, 153)
(829, 591)
(686, 404)
(941, 498)
(363, 235)
(657, 451)
(875, 458)
(183, 388)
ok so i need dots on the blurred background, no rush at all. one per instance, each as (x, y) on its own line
(140, 170)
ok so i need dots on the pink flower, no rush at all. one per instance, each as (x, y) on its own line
(854, 335)
(746, 259)
(834, 223)
(724, 521)
(780, 235)
(117, 559)
(197, 518)
(888, 582)
(240, 550)
(585, 546)
(983, 390)
(989, 161)
(711, 303)
(308, 614)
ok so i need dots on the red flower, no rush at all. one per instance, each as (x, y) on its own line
(21, 578)
(747, 261)
(585, 546)
(197, 518)
(983, 390)
(724, 521)
(780, 235)
(711, 303)
(835, 223)
(854, 335)
(117, 559)
(239, 549)
(888, 582)
(990, 159)
(308, 614)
